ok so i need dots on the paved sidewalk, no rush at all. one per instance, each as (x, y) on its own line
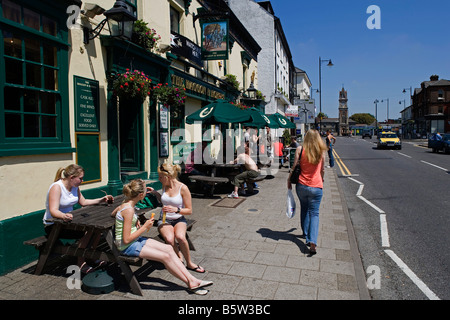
(250, 252)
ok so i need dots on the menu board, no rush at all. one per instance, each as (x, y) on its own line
(87, 106)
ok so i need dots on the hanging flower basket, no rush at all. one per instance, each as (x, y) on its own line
(240, 105)
(169, 96)
(144, 36)
(132, 85)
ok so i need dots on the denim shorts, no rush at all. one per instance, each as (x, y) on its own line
(172, 222)
(135, 248)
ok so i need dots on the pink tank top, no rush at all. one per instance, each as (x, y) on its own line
(310, 175)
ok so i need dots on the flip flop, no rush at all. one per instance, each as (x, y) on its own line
(201, 285)
(196, 269)
(85, 268)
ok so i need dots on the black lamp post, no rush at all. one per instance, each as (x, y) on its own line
(120, 21)
(330, 64)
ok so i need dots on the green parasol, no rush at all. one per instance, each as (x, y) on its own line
(259, 119)
(282, 121)
(219, 111)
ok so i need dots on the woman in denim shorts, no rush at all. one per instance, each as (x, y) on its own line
(130, 242)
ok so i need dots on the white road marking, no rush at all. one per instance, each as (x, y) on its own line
(371, 204)
(405, 155)
(433, 165)
(384, 232)
(419, 283)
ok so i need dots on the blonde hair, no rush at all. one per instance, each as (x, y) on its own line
(313, 146)
(170, 170)
(71, 170)
(134, 188)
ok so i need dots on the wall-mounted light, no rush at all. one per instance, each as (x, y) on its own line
(251, 92)
(120, 21)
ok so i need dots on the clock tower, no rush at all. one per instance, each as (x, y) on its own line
(343, 113)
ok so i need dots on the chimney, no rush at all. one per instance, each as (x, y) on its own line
(434, 77)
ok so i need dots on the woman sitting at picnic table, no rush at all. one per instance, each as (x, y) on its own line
(177, 202)
(62, 195)
(131, 243)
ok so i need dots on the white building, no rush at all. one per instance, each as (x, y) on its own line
(275, 66)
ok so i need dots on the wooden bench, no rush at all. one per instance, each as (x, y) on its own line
(251, 181)
(212, 181)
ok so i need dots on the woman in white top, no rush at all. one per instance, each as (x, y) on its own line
(177, 202)
(130, 241)
(62, 195)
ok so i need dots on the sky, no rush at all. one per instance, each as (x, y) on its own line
(412, 43)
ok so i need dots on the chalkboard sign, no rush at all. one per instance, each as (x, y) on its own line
(87, 105)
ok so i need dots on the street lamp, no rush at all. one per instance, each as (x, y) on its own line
(305, 110)
(410, 93)
(120, 21)
(376, 115)
(387, 108)
(330, 64)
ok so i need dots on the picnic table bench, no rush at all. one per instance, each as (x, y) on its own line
(96, 218)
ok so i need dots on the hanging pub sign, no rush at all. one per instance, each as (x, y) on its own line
(214, 40)
(184, 47)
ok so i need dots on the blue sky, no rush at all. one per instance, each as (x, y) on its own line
(412, 44)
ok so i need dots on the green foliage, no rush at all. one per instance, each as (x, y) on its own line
(364, 118)
(144, 36)
(231, 79)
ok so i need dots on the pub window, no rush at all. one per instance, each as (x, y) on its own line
(30, 95)
(174, 20)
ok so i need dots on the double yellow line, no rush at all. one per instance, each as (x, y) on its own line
(340, 163)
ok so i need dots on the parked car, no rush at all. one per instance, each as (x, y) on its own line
(389, 139)
(367, 134)
(437, 142)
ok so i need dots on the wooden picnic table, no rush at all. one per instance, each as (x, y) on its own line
(225, 171)
(94, 219)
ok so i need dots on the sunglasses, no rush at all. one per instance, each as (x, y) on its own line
(161, 168)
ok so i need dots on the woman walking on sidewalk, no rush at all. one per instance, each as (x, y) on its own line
(310, 185)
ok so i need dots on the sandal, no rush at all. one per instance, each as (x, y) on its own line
(100, 264)
(201, 285)
(196, 269)
(200, 292)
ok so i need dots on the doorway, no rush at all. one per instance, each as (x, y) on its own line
(130, 119)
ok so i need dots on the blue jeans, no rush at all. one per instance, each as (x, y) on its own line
(310, 199)
(330, 155)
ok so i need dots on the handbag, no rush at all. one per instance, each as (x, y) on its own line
(296, 171)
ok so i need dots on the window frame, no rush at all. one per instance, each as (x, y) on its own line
(12, 146)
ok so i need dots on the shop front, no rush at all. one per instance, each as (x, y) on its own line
(132, 124)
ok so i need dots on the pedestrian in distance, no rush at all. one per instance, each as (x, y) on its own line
(62, 195)
(130, 241)
(309, 187)
(331, 140)
(177, 203)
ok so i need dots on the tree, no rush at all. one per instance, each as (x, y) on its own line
(365, 118)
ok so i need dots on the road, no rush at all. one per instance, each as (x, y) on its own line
(398, 201)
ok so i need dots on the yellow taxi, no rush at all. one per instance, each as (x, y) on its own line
(389, 139)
